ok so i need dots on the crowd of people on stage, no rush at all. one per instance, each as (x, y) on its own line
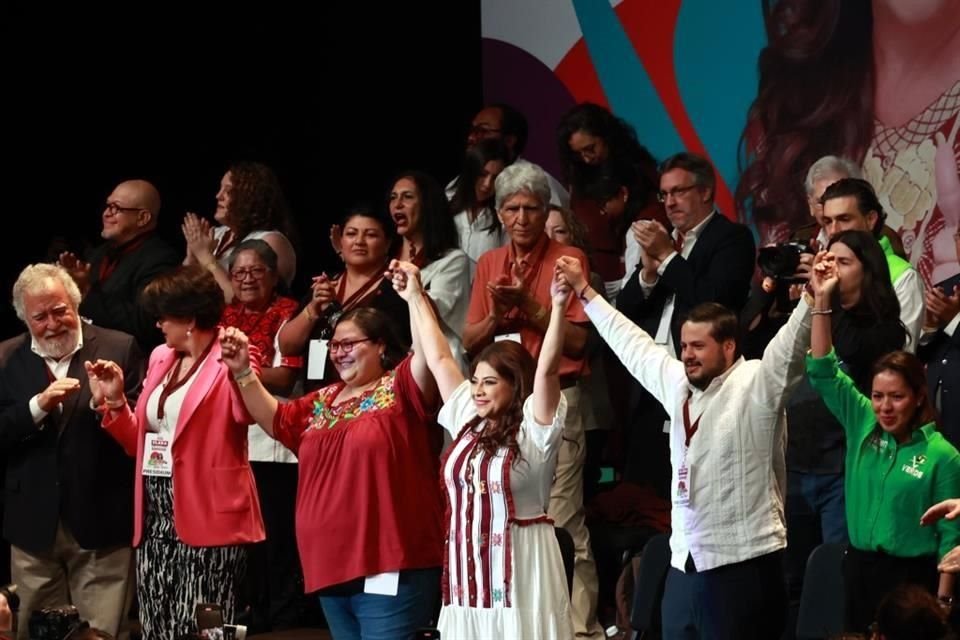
(410, 438)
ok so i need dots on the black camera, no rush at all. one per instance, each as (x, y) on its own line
(55, 623)
(781, 260)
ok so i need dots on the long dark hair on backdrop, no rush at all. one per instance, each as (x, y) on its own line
(815, 98)
(516, 366)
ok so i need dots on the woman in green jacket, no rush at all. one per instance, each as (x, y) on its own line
(897, 463)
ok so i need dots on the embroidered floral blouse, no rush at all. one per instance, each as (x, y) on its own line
(368, 500)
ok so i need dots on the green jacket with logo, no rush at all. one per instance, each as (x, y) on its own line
(888, 485)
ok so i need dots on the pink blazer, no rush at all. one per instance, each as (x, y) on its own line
(214, 498)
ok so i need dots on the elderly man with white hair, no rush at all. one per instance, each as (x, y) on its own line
(69, 490)
(511, 301)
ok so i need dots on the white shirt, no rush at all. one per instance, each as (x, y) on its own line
(737, 477)
(59, 370)
(447, 282)
(664, 335)
(476, 238)
(909, 290)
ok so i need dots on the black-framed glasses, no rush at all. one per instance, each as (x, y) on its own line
(113, 209)
(345, 345)
(255, 273)
(676, 192)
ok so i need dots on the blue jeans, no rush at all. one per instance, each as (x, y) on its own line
(365, 616)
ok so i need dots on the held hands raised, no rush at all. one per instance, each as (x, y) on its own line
(406, 279)
(235, 350)
(824, 277)
(569, 271)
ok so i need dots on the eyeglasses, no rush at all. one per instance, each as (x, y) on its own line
(113, 209)
(345, 346)
(483, 131)
(676, 192)
(255, 273)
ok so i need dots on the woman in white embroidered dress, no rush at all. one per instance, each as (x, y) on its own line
(503, 575)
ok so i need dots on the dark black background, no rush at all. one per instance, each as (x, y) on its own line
(336, 100)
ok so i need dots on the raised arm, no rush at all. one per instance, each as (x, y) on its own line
(823, 281)
(546, 381)
(432, 360)
(262, 406)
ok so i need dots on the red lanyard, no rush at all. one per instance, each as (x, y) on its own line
(176, 383)
(358, 294)
(689, 429)
(227, 240)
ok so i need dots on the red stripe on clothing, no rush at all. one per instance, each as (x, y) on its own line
(486, 512)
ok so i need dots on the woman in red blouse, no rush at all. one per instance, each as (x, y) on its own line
(368, 505)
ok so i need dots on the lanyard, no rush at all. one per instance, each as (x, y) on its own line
(689, 429)
(176, 383)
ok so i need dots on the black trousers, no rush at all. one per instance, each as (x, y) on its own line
(274, 576)
(742, 601)
(868, 576)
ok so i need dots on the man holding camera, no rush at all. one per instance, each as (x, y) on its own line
(706, 258)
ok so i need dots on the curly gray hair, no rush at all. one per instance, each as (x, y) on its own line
(35, 279)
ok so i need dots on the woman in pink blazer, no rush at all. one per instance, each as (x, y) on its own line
(196, 504)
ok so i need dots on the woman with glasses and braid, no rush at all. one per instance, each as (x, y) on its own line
(368, 513)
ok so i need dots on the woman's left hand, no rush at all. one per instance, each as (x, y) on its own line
(235, 349)
(559, 291)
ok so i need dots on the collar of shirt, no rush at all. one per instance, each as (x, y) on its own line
(691, 236)
(715, 384)
(58, 367)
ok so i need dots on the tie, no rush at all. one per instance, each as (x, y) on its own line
(678, 242)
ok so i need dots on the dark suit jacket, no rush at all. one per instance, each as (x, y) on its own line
(942, 356)
(719, 270)
(112, 303)
(70, 469)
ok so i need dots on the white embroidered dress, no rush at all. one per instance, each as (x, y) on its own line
(503, 575)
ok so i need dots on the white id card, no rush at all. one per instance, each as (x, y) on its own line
(512, 337)
(317, 359)
(684, 478)
(157, 459)
(384, 584)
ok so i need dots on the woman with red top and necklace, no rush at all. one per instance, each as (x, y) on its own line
(368, 505)
(503, 576)
(195, 502)
(259, 312)
(364, 244)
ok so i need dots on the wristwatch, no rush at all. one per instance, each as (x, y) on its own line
(945, 601)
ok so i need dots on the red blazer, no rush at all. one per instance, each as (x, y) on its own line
(214, 498)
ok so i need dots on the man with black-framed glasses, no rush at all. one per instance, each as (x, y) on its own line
(115, 272)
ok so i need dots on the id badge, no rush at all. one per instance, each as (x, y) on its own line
(512, 337)
(317, 359)
(157, 459)
(684, 478)
(385, 584)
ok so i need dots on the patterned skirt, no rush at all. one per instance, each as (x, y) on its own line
(173, 577)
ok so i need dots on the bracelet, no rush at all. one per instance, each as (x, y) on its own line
(821, 312)
(210, 266)
(946, 601)
(311, 316)
(243, 374)
(247, 380)
(540, 314)
(583, 291)
(122, 402)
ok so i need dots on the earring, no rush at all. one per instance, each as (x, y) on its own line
(189, 332)
(383, 360)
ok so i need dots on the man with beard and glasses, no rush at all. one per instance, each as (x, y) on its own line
(727, 435)
(69, 486)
